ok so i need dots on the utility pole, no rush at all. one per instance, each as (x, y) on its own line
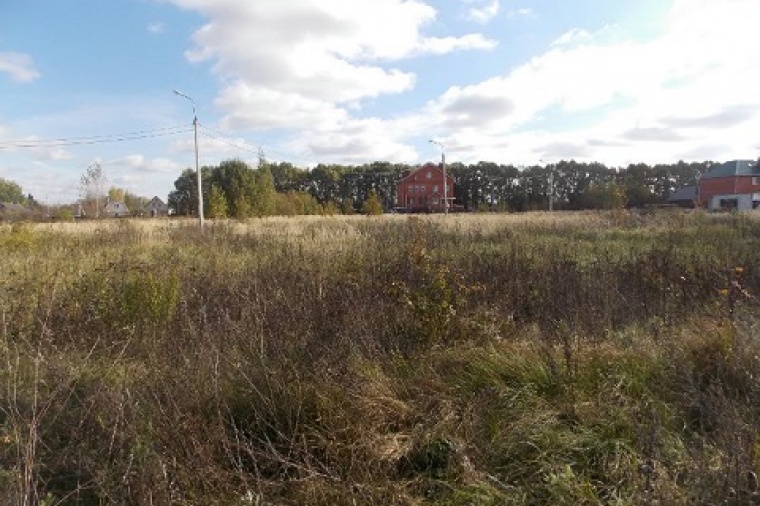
(197, 165)
(551, 185)
(445, 179)
(551, 188)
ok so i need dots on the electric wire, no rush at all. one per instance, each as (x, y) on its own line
(215, 134)
(94, 139)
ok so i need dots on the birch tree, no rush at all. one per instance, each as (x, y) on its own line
(92, 188)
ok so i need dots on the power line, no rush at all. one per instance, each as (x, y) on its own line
(94, 139)
(215, 134)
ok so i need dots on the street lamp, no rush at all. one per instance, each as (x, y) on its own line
(197, 166)
(551, 186)
(445, 180)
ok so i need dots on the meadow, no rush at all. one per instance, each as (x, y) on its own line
(481, 359)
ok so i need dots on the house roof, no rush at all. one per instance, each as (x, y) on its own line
(686, 193)
(155, 202)
(427, 166)
(117, 204)
(734, 168)
(11, 206)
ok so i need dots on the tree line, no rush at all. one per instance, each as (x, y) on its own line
(235, 189)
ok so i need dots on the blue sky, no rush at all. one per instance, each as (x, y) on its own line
(354, 81)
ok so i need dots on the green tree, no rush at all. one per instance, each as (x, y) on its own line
(236, 180)
(264, 192)
(11, 192)
(604, 196)
(373, 205)
(297, 204)
(184, 199)
(116, 194)
(135, 203)
(217, 203)
(347, 206)
(287, 177)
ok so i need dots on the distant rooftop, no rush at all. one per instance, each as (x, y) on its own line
(734, 168)
(686, 193)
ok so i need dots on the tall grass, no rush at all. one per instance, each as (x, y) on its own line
(551, 359)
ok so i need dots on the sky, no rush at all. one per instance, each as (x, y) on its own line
(520, 82)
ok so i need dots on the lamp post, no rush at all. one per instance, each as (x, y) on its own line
(551, 186)
(445, 179)
(197, 166)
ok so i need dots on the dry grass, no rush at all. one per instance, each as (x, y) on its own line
(564, 358)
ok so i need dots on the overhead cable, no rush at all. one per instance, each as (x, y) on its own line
(94, 139)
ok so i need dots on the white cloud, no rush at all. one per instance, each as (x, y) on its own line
(523, 12)
(358, 141)
(445, 45)
(19, 66)
(143, 164)
(40, 150)
(483, 10)
(574, 36)
(692, 86)
(294, 62)
(308, 68)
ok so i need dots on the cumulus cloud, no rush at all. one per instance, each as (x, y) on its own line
(312, 59)
(307, 68)
(692, 85)
(20, 67)
(359, 141)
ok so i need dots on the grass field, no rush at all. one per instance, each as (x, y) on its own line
(532, 359)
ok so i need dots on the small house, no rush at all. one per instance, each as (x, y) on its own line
(11, 210)
(156, 207)
(425, 190)
(116, 209)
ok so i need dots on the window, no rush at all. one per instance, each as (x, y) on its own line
(435, 188)
(756, 181)
(429, 175)
(422, 188)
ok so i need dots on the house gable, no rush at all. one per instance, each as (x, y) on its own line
(117, 209)
(156, 207)
(422, 190)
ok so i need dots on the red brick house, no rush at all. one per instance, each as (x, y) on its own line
(421, 190)
(733, 185)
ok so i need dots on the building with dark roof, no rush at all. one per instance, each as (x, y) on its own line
(686, 196)
(733, 185)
